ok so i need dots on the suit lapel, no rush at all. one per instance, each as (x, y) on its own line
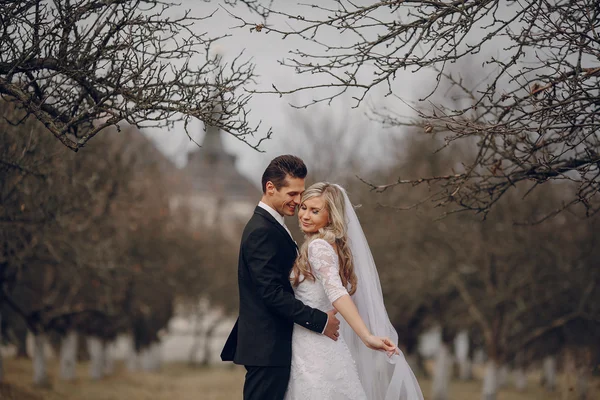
(264, 213)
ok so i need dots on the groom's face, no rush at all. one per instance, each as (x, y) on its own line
(286, 200)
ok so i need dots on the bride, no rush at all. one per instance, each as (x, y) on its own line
(335, 268)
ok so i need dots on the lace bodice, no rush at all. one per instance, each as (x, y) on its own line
(322, 368)
(327, 287)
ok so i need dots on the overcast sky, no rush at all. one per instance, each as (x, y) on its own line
(266, 50)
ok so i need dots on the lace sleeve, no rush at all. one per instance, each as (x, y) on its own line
(324, 262)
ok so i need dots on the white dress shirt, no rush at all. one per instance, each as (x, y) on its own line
(278, 217)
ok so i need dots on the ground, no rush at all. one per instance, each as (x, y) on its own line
(181, 382)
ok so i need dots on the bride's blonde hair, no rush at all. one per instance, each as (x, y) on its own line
(334, 233)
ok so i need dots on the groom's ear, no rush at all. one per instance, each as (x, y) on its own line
(270, 188)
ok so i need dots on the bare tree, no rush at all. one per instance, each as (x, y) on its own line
(533, 119)
(515, 288)
(79, 66)
(81, 244)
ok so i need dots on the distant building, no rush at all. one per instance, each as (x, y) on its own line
(216, 195)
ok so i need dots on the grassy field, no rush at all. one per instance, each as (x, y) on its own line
(180, 382)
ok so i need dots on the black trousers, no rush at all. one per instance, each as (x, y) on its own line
(266, 383)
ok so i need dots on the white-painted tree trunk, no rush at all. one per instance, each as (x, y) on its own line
(490, 381)
(549, 371)
(150, 358)
(133, 358)
(503, 373)
(157, 349)
(68, 356)
(96, 350)
(520, 379)
(461, 349)
(133, 361)
(40, 372)
(196, 334)
(441, 373)
(145, 362)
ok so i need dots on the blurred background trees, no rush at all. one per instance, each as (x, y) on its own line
(92, 249)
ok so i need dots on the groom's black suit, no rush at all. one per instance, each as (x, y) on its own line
(262, 336)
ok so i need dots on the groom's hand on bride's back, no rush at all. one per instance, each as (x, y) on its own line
(332, 329)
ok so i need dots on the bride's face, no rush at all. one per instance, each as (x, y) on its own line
(313, 215)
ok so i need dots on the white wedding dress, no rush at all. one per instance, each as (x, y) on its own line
(322, 369)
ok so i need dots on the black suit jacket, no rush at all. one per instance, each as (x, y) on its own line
(262, 335)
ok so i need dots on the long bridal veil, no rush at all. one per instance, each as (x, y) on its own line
(382, 377)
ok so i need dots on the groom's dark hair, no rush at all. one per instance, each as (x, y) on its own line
(280, 167)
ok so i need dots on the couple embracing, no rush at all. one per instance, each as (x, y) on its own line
(288, 335)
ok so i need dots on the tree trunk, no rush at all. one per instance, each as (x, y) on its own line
(68, 356)
(479, 356)
(503, 373)
(490, 381)
(157, 358)
(520, 379)
(195, 340)
(96, 350)
(462, 351)
(133, 357)
(83, 355)
(145, 362)
(208, 341)
(549, 373)
(133, 361)
(150, 357)
(40, 372)
(441, 373)
(21, 342)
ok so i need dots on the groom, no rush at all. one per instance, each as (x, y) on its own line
(261, 339)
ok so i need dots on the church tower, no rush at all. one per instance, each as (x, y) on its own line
(212, 170)
(219, 197)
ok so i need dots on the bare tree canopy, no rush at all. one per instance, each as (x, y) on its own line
(79, 66)
(533, 117)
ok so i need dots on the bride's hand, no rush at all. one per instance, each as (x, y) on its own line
(381, 343)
